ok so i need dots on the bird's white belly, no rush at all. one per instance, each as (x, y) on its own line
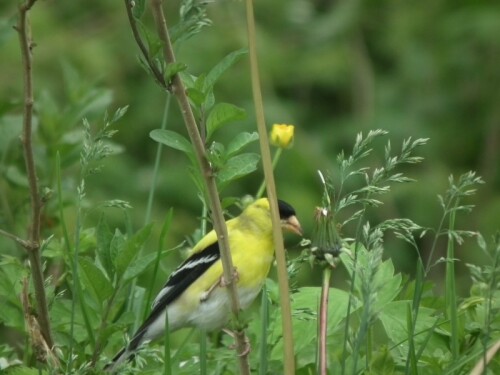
(214, 312)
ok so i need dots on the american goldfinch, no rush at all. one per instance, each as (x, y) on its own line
(194, 293)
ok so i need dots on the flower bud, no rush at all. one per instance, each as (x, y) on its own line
(282, 135)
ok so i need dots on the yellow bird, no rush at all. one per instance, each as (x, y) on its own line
(194, 294)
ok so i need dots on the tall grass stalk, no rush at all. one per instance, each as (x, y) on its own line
(67, 244)
(156, 168)
(351, 299)
(412, 358)
(167, 222)
(451, 290)
(264, 315)
(167, 365)
(286, 311)
(492, 288)
(76, 290)
(203, 333)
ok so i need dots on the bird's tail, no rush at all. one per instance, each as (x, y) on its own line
(120, 357)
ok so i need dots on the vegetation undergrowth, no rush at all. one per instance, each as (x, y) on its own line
(83, 278)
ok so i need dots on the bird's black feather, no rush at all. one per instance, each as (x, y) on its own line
(185, 275)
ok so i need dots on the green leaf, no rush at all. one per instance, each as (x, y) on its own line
(131, 248)
(172, 69)
(103, 239)
(154, 43)
(12, 316)
(16, 177)
(221, 114)
(394, 321)
(382, 362)
(95, 280)
(196, 96)
(304, 309)
(10, 129)
(240, 141)
(172, 139)
(238, 166)
(216, 155)
(116, 246)
(22, 370)
(138, 9)
(138, 266)
(222, 66)
(385, 283)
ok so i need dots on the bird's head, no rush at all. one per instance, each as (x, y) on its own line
(287, 214)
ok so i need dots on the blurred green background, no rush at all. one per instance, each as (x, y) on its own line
(425, 69)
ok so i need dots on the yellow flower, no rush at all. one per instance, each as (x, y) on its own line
(282, 135)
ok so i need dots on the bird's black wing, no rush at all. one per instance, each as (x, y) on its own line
(187, 273)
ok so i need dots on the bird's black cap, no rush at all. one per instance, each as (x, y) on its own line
(285, 210)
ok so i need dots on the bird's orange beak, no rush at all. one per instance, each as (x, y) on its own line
(292, 224)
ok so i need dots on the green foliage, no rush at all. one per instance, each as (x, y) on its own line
(101, 270)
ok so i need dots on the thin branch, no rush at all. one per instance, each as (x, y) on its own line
(26, 44)
(26, 244)
(137, 36)
(286, 311)
(213, 196)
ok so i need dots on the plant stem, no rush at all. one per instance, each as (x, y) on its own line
(286, 311)
(263, 184)
(156, 168)
(351, 294)
(33, 249)
(264, 315)
(137, 36)
(323, 321)
(451, 297)
(167, 368)
(220, 228)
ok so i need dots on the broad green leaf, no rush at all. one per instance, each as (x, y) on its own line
(95, 280)
(103, 239)
(390, 284)
(240, 141)
(172, 69)
(222, 66)
(61, 315)
(196, 96)
(14, 175)
(238, 166)
(385, 284)
(394, 320)
(216, 155)
(22, 370)
(12, 272)
(12, 316)
(131, 249)
(116, 246)
(304, 309)
(382, 361)
(199, 82)
(138, 266)
(138, 8)
(10, 129)
(221, 114)
(154, 43)
(172, 139)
